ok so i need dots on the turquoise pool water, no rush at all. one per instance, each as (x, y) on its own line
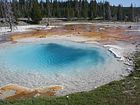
(52, 57)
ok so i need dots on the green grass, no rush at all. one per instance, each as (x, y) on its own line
(123, 92)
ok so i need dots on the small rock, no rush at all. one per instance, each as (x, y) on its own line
(67, 96)
(136, 78)
(37, 95)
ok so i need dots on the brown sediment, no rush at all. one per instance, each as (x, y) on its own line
(96, 33)
(24, 92)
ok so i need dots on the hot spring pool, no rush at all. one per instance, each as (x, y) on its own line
(76, 66)
(52, 57)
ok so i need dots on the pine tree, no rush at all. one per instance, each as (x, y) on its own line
(100, 9)
(48, 10)
(56, 9)
(42, 8)
(1, 9)
(77, 9)
(68, 7)
(103, 6)
(22, 8)
(85, 9)
(114, 13)
(107, 11)
(15, 8)
(28, 9)
(93, 9)
(35, 12)
(131, 16)
(80, 8)
(119, 13)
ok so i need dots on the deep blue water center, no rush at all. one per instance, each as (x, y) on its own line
(51, 57)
